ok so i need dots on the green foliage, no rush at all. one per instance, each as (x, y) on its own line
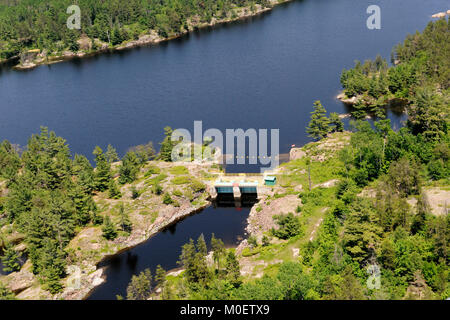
(197, 186)
(114, 192)
(125, 222)
(109, 230)
(10, 259)
(167, 199)
(252, 241)
(193, 260)
(111, 154)
(165, 153)
(144, 152)
(135, 193)
(218, 248)
(129, 168)
(179, 170)
(420, 78)
(5, 293)
(289, 226)
(103, 170)
(32, 24)
(318, 127)
(140, 287)
(336, 123)
(9, 160)
(232, 269)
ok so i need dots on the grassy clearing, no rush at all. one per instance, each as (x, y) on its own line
(179, 170)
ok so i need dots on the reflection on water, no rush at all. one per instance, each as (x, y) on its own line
(222, 218)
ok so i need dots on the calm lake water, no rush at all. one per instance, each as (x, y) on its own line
(263, 73)
(225, 221)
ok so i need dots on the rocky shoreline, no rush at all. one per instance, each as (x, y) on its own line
(96, 276)
(151, 38)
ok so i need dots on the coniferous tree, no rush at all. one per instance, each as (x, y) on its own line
(218, 248)
(167, 145)
(318, 127)
(109, 230)
(336, 122)
(125, 223)
(111, 154)
(160, 276)
(129, 168)
(140, 287)
(103, 170)
(113, 190)
(201, 245)
(233, 269)
(10, 259)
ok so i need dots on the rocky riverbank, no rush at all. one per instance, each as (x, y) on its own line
(186, 183)
(90, 280)
(34, 58)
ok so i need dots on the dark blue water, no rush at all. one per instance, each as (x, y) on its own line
(227, 223)
(264, 72)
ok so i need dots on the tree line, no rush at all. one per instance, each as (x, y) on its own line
(30, 24)
(50, 197)
(420, 77)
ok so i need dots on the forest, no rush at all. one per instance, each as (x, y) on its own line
(35, 24)
(420, 78)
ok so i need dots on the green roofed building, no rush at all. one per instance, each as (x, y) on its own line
(270, 180)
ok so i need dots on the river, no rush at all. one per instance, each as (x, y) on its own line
(224, 220)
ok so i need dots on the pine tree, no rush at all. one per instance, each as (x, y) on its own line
(111, 154)
(232, 269)
(336, 122)
(103, 170)
(201, 245)
(160, 276)
(129, 168)
(10, 259)
(125, 223)
(114, 192)
(140, 287)
(318, 127)
(109, 230)
(167, 145)
(218, 248)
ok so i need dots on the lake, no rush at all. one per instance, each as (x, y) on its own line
(262, 72)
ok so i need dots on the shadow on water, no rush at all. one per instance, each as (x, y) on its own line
(223, 218)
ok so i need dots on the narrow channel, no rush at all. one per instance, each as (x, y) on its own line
(223, 218)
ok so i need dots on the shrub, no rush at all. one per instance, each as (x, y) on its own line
(197, 186)
(177, 193)
(180, 180)
(157, 189)
(179, 170)
(135, 192)
(167, 199)
(289, 226)
(252, 241)
(152, 170)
